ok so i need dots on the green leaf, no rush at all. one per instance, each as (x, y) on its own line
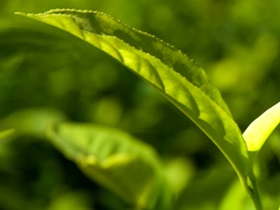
(117, 161)
(259, 130)
(177, 77)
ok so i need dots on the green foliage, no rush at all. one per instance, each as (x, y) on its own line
(166, 68)
(117, 161)
(48, 76)
(172, 73)
(29, 122)
(261, 128)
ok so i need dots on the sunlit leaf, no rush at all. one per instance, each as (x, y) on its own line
(260, 129)
(177, 77)
(117, 161)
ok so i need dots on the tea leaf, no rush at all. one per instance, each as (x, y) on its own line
(177, 77)
(259, 130)
(115, 160)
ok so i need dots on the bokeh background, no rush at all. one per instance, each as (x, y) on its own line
(46, 75)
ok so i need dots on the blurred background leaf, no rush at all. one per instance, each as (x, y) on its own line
(236, 42)
(117, 161)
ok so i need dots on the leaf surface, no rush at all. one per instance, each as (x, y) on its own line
(119, 162)
(259, 130)
(176, 76)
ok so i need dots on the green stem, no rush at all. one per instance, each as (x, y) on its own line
(253, 191)
(252, 186)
